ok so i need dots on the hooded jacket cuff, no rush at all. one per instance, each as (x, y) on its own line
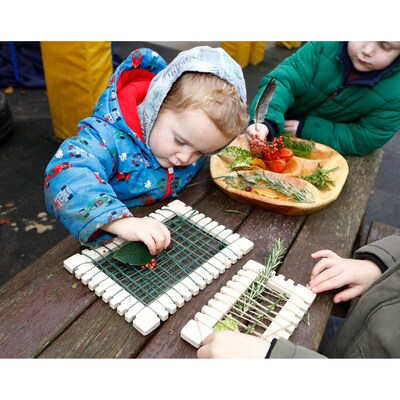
(300, 127)
(273, 130)
(372, 257)
(93, 236)
(386, 251)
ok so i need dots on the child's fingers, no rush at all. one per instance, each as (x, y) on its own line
(320, 266)
(154, 235)
(166, 235)
(347, 294)
(324, 253)
(161, 237)
(148, 240)
(327, 280)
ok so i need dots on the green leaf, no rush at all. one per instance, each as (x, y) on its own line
(241, 162)
(234, 151)
(227, 324)
(133, 253)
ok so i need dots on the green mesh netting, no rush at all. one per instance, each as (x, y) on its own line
(192, 246)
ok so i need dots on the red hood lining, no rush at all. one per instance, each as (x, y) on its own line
(132, 87)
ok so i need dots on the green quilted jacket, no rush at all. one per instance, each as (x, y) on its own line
(372, 326)
(354, 118)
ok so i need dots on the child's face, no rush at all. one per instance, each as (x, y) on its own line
(372, 56)
(179, 139)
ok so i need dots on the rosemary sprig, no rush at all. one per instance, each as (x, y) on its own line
(246, 182)
(320, 178)
(255, 290)
(287, 189)
(257, 287)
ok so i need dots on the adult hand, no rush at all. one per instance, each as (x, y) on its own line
(154, 234)
(228, 344)
(333, 272)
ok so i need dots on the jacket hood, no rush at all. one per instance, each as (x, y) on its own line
(127, 88)
(366, 78)
(198, 59)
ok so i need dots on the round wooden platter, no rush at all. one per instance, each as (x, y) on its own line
(272, 200)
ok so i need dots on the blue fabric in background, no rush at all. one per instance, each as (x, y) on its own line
(21, 65)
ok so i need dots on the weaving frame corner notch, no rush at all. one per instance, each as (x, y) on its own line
(202, 250)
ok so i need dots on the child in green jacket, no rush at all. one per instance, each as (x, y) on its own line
(342, 94)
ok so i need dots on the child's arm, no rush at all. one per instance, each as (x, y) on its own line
(293, 77)
(77, 185)
(151, 232)
(228, 344)
(333, 272)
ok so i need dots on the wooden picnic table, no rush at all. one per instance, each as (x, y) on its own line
(45, 312)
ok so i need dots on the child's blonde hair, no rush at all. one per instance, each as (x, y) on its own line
(216, 97)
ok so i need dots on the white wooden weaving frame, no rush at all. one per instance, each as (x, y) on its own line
(147, 318)
(299, 300)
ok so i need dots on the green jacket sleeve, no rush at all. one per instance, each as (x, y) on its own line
(387, 250)
(360, 137)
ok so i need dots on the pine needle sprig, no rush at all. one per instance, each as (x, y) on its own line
(300, 148)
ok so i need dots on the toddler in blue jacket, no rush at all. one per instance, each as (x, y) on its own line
(144, 142)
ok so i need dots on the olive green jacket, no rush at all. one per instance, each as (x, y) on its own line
(372, 326)
(354, 119)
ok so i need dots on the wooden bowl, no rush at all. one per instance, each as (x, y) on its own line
(272, 200)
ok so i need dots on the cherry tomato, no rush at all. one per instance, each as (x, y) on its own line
(285, 154)
(277, 165)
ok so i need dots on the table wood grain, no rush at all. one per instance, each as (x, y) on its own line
(46, 312)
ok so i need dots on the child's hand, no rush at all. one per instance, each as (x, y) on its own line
(333, 272)
(151, 232)
(291, 125)
(228, 344)
(260, 134)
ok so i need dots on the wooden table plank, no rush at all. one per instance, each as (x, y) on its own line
(323, 228)
(334, 228)
(97, 325)
(43, 315)
(379, 231)
(39, 302)
(262, 228)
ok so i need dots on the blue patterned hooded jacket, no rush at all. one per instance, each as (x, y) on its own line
(108, 167)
